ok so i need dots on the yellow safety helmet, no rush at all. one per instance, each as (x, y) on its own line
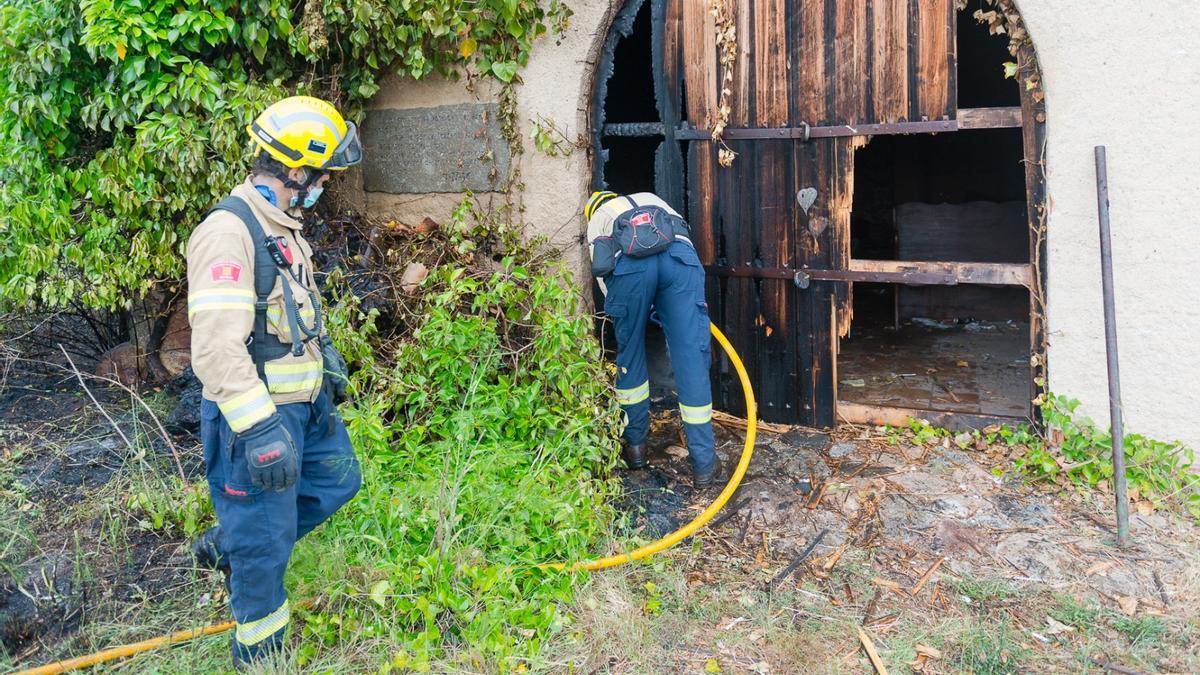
(302, 131)
(595, 202)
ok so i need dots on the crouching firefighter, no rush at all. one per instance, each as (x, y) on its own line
(643, 257)
(277, 456)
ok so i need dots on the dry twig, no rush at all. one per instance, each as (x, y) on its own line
(796, 563)
(871, 653)
(925, 577)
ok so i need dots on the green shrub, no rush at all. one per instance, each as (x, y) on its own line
(124, 121)
(485, 427)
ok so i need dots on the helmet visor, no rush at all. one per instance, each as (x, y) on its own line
(348, 153)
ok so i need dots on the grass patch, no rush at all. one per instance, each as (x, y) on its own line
(991, 649)
(485, 425)
(984, 590)
(1082, 614)
(1142, 631)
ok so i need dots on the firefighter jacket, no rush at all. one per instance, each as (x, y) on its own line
(601, 223)
(220, 262)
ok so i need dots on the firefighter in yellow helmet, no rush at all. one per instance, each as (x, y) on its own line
(277, 456)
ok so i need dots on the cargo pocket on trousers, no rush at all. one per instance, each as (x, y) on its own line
(704, 331)
(234, 477)
(622, 326)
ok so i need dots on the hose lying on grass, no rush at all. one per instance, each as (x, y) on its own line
(663, 544)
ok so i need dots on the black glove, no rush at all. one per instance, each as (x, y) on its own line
(336, 374)
(271, 454)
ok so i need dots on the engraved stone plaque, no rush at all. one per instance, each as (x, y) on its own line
(440, 149)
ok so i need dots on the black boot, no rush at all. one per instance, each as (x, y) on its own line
(703, 480)
(206, 551)
(634, 455)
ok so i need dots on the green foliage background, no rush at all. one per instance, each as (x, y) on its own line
(123, 120)
(485, 434)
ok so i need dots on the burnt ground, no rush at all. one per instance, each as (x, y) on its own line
(78, 554)
(917, 540)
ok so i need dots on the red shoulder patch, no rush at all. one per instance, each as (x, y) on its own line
(227, 271)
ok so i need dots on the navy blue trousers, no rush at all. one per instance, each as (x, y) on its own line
(672, 283)
(260, 527)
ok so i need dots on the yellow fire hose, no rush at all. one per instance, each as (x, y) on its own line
(603, 563)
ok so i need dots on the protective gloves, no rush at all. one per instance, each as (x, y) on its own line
(271, 454)
(336, 374)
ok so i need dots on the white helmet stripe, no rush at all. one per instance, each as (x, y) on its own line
(304, 116)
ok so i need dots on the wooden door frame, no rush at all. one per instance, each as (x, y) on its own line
(1030, 117)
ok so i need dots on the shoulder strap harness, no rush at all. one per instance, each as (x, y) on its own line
(264, 347)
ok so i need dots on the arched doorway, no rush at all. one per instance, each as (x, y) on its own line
(791, 234)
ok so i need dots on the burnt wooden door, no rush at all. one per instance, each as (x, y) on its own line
(814, 62)
(785, 202)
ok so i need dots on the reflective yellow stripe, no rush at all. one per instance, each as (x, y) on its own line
(220, 291)
(634, 395)
(273, 368)
(286, 378)
(210, 299)
(276, 313)
(293, 387)
(254, 632)
(242, 412)
(695, 414)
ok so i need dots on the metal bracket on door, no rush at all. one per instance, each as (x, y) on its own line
(803, 277)
(805, 132)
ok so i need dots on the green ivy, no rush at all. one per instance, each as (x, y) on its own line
(1072, 450)
(1081, 453)
(124, 120)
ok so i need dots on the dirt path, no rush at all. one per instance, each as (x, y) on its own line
(930, 546)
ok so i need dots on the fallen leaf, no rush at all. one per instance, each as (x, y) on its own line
(379, 591)
(1128, 605)
(729, 626)
(930, 652)
(711, 666)
(1057, 627)
(962, 364)
(676, 451)
(413, 275)
(1099, 567)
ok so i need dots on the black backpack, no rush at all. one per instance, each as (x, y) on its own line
(640, 232)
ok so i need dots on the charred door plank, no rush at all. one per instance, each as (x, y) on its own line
(934, 61)
(889, 51)
(989, 118)
(1000, 274)
(850, 62)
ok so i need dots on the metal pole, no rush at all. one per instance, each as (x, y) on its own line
(1110, 341)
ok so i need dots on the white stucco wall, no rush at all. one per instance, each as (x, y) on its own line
(1127, 76)
(1122, 74)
